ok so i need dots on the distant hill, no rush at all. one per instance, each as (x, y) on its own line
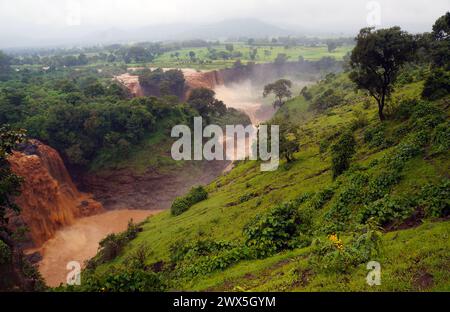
(238, 28)
(71, 36)
(232, 28)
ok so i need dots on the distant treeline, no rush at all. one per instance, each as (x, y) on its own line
(146, 52)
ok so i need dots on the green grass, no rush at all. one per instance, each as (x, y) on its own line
(407, 258)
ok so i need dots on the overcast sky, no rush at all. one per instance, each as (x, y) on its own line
(25, 18)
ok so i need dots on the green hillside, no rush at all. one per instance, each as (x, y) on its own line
(297, 228)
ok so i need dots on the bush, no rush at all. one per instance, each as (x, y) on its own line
(137, 258)
(5, 253)
(341, 153)
(332, 255)
(280, 228)
(435, 198)
(120, 279)
(182, 204)
(360, 121)
(441, 138)
(321, 198)
(199, 257)
(327, 100)
(375, 136)
(112, 245)
(437, 84)
(388, 209)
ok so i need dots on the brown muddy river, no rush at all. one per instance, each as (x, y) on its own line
(79, 242)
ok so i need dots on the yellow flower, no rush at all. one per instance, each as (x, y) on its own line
(336, 241)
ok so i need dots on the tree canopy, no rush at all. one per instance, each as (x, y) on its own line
(377, 59)
(281, 90)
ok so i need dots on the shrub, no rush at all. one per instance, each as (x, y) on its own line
(199, 257)
(435, 198)
(182, 204)
(375, 136)
(321, 198)
(112, 245)
(121, 279)
(341, 153)
(332, 255)
(5, 253)
(137, 258)
(360, 121)
(437, 84)
(388, 209)
(426, 116)
(278, 229)
(441, 137)
(327, 100)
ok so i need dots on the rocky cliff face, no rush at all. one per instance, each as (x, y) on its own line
(196, 79)
(131, 82)
(49, 199)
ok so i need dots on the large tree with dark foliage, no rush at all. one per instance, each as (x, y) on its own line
(5, 66)
(377, 59)
(441, 41)
(281, 89)
(205, 102)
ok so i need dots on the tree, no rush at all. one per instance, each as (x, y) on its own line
(281, 90)
(441, 41)
(9, 182)
(204, 101)
(288, 141)
(281, 59)
(192, 55)
(331, 45)
(229, 47)
(253, 53)
(341, 153)
(377, 59)
(5, 66)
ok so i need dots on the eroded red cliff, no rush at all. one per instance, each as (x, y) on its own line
(49, 199)
(194, 79)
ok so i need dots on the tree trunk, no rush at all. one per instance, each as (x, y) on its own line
(380, 113)
(381, 106)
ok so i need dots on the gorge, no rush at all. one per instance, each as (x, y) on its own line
(66, 224)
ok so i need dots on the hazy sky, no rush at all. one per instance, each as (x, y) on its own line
(32, 17)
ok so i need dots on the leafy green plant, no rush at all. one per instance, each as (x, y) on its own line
(333, 255)
(278, 229)
(121, 279)
(182, 204)
(435, 198)
(375, 136)
(112, 245)
(5, 253)
(388, 209)
(341, 153)
(321, 198)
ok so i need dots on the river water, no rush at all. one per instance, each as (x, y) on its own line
(79, 241)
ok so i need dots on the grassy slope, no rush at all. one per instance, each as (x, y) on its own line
(408, 256)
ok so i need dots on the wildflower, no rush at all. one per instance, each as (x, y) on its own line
(336, 241)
